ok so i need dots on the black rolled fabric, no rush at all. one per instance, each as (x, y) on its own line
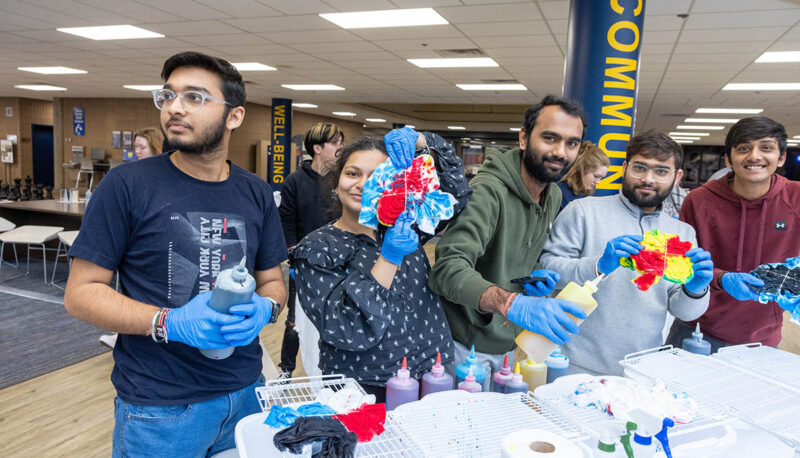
(337, 441)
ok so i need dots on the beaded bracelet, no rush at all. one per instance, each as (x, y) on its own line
(158, 328)
(507, 305)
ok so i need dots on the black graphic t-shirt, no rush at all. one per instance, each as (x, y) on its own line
(169, 235)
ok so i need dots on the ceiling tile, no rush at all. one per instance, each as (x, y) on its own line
(188, 9)
(177, 29)
(494, 29)
(311, 36)
(399, 33)
(514, 41)
(743, 19)
(241, 8)
(282, 23)
(498, 13)
(299, 7)
(425, 44)
(136, 11)
(232, 39)
(361, 5)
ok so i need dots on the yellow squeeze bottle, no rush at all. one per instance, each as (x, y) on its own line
(533, 373)
(538, 347)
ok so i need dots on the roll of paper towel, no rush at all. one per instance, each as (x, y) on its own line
(538, 443)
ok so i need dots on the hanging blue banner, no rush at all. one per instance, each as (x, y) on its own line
(281, 137)
(602, 72)
(78, 121)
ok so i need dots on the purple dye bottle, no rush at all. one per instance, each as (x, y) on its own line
(401, 388)
(437, 379)
(516, 384)
(501, 377)
(469, 384)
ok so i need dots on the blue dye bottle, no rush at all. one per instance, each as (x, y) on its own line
(696, 344)
(478, 371)
(233, 286)
(557, 365)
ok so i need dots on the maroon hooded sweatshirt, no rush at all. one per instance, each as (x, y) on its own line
(741, 235)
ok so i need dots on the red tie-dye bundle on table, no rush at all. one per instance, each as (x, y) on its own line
(389, 191)
(663, 255)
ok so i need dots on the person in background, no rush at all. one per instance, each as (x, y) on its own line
(169, 225)
(147, 142)
(749, 217)
(370, 299)
(581, 180)
(499, 237)
(591, 235)
(672, 204)
(303, 210)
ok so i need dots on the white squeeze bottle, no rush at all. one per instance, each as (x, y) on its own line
(538, 347)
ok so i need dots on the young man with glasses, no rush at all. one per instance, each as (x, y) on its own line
(303, 210)
(591, 235)
(748, 217)
(169, 226)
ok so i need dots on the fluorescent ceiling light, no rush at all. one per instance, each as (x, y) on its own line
(702, 127)
(687, 136)
(455, 62)
(111, 32)
(343, 113)
(779, 56)
(729, 110)
(385, 18)
(515, 129)
(410, 126)
(719, 120)
(762, 87)
(313, 87)
(143, 87)
(253, 67)
(304, 105)
(456, 127)
(684, 141)
(375, 120)
(693, 134)
(492, 87)
(52, 70)
(40, 87)
(796, 136)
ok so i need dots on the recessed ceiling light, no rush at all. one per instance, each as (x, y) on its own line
(779, 56)
(375, 120)
(515, 129)
(40, 87)
(693, 134)
(458, 62)
(343, 113)
(52, 70)
(111, 32)
(796, 136)
(761, 87)
(385, 18)
(313, 87)
(492, 87)
(143, 87)
(304, 105)
(253, 67)
(729, 110)
(684, 141)
(702, 127)
(456, 127)
(719, 120)
(410, 126)
(684, 137)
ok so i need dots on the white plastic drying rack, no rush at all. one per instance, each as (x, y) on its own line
(748, 394)
(559, 395)
(777, 365)
(451, 423)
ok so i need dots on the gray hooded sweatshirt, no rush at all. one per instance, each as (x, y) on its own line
(626, 320)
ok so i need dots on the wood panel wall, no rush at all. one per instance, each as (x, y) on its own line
(24, 113)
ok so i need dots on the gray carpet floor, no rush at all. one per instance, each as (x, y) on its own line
(37, 335)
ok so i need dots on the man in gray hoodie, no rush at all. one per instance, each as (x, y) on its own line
(591, 235)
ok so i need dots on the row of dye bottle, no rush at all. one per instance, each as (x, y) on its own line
(504, 381)
(403, 388)
(471, 364)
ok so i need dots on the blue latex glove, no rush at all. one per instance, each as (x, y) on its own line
(400, 240)
(401, 146)
(542, 288)
(545, 316)
(737, 284)
(255, 314)
(198, 325)
(618, 247)
(703, 270)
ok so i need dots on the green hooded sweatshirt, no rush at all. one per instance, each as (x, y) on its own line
(496, 238)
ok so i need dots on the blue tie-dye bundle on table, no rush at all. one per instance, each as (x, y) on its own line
(781, 284)
(390, 191)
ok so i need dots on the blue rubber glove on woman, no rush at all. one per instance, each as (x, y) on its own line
(738, 284)
(400, 240)
(198, 325)
(618, 247)
(545, 316)
(401, 146)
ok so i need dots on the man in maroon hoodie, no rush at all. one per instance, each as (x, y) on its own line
(749, 217)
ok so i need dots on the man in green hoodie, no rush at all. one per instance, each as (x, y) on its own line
(500, 234)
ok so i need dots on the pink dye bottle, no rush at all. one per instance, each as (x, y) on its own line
(469, 384)
(437, 379)
(401, 388)
(501, 377)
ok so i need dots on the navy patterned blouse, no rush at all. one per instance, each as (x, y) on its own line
(366, 329)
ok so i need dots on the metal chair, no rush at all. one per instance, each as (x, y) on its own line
(87, 168)
(30, 235)
(65, 239)
(5, 226)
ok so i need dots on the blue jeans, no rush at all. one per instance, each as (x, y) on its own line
(189, 430)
